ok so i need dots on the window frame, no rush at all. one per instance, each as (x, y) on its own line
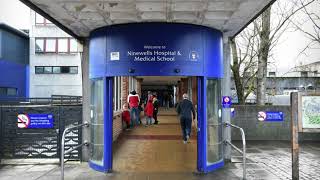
(45, 39)
(44, 21)
(52, 67)
(6, 90)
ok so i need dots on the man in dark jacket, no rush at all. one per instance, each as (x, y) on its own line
(184, 109)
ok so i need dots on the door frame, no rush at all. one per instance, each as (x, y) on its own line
(202, 165)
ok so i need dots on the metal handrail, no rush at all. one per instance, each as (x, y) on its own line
(70, 150)
(243, 152)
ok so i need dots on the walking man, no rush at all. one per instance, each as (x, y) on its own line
(184, 109)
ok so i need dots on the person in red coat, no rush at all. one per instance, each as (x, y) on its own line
(149, 112)
(126, 115)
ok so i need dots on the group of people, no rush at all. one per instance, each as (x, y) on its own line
(131, 113)
(184, 109)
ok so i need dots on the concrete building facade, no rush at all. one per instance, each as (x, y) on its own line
(55, 65)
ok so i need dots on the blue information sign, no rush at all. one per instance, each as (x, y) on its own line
(270, 116)
(226, 102)
(41, 121)
(274, 116)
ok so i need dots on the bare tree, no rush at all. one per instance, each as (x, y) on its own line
(244, 62)
(266, 34)
(311, 17)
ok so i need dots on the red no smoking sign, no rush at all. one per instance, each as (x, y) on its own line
(23, 120)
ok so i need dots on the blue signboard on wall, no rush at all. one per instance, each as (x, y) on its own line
(270, 116)
(41, 121)
(30, 121)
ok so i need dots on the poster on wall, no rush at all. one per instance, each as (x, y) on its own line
(35, 121)
(310, 112)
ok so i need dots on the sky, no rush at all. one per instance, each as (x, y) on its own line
(15, 14)
(286, 54)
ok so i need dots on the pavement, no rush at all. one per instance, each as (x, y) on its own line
(158, 153)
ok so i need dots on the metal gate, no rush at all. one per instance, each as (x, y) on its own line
(39, 143)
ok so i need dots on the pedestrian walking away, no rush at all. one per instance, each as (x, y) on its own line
(185, 109)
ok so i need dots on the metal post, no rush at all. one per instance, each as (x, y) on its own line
(243, 152)
(294, 136)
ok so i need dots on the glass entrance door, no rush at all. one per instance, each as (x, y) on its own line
(101, 114)
(210, 153)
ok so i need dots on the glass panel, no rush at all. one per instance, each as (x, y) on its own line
(97, 120)
(73, 45)
(3, 91)
(39, 70)
(56, 70)
(65, 69)
(51, 45)
(12, 91)
(39, 45)
(63, 45)
(74, 70)
(47, 70)
(214, 128)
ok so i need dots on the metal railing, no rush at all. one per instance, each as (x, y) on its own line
(85, 143)
(243, 152)
(53, 100)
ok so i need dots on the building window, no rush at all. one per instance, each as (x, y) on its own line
(304, 74)
(39, 46)
(73, 46)
(272, 74)
(73, 70)
(42, 21)
(56, 45)
(117, 94)
(50, 45)
(56, 69)
(39, 70)
(47, 70)
(63, 45)
(8, 91)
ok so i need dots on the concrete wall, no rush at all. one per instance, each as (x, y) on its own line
(246, 117)
(45, 85)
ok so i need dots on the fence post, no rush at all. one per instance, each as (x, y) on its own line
(61, 129)
(294, 136)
